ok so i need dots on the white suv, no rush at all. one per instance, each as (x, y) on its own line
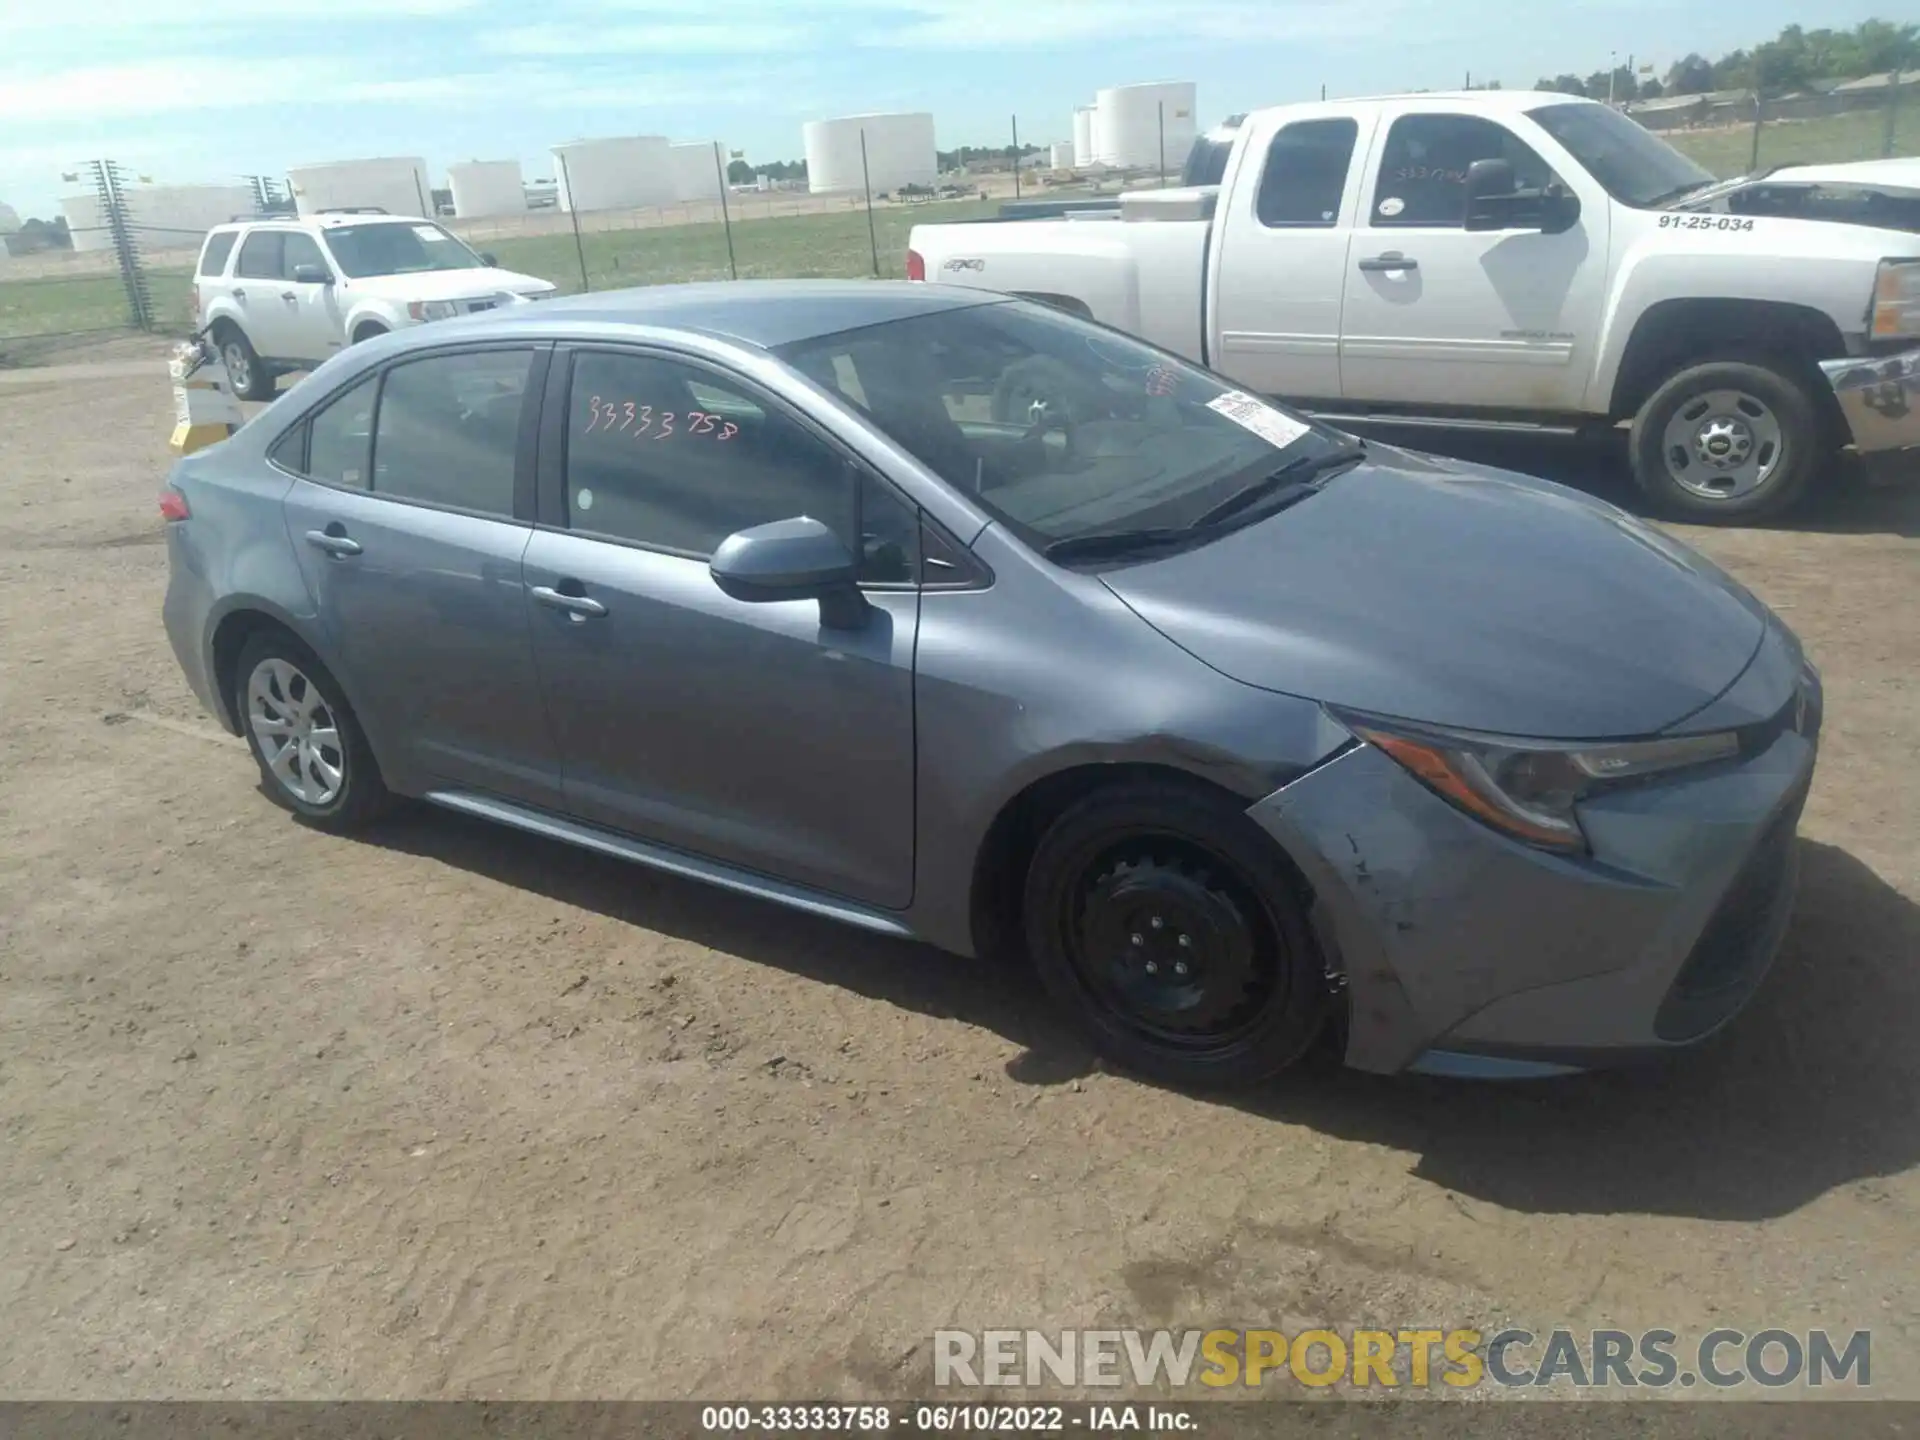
(284, 295)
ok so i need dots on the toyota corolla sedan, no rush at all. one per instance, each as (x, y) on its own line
(959, 618)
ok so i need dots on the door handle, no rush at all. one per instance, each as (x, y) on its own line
(1392, 260)
(578, 607)
(335, 542)
(239, 294)
(290, 296)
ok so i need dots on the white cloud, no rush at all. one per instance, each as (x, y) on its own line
(666, 38)
(147, 87)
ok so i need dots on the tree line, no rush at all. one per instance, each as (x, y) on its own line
(1792, 60)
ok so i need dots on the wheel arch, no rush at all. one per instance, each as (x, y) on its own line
(1007, 845)
(1072, 304)
(1672, 334)
(374, 315)
(228, 631)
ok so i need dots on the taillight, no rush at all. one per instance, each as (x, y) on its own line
(173, 505)
(916, 265)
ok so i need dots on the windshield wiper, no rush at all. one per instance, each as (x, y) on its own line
(1290, 484)
(1109, 544)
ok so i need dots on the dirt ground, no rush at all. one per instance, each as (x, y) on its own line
(451, 1111)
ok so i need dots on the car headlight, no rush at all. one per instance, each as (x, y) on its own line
(1528, 788)
(430, 310)
(1896, 301)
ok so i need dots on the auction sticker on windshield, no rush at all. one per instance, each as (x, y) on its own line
(1251, 413)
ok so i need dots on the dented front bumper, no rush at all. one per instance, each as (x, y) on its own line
(1466, 952)
(1879, 397)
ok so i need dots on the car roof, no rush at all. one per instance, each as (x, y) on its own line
(763, 313)
(1503, 102)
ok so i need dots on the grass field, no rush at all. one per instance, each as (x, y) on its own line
(1858, 136)
(827, 244)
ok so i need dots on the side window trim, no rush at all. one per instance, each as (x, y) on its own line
(551, 503)
(526, 446)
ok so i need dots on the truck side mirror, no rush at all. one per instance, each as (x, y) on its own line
(1490, 195)
(1494, 203)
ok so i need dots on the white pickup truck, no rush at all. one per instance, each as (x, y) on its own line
(1499, 257)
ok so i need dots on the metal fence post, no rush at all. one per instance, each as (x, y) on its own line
(726, 215)
(866, 184)
(573, 213)
(1893, 110)
(1163, 144)
(1759, 119)
(1016, 157)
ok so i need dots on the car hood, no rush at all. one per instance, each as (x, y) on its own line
(449, 284)
(1459, 596)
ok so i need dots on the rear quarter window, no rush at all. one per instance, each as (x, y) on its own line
(213, 259)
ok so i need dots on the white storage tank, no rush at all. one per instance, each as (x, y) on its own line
(1062, 155)
(900, 151)
(695, 176)
(163, 217)
(1127, 126)
(85, 222)
(486, 187)
(1083, 138)
(619, 173)
(9, 220)
(398, 186)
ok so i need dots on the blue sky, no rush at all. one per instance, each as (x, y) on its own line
(203, 90)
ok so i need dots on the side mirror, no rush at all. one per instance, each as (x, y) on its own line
(488, 259)
(312, 275)
(797, 559)
(1493, 203)
(1490, 195)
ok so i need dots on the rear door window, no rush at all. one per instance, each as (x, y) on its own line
(260, 255)
(213, 259)
(1306, 173)
(449, 430)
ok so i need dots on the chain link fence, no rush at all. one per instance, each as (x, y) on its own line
(1734, 132)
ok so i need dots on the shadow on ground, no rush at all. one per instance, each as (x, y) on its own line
(1843, 504)
(1815, 1086)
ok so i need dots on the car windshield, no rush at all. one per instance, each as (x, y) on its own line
(405, 247)
(1059, 427)
(1632, 164)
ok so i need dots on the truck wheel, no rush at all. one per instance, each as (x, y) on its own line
(1171, 931)
(246, 371)
(366, 330)
(1727, 441)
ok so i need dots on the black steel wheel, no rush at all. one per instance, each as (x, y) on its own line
(1174, 932)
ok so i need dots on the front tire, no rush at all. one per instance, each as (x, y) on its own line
(1727, 441)
(367, 331)
(314, 759)
(1174, 934)
(246, 371)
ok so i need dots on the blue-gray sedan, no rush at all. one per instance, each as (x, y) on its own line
(960, 618)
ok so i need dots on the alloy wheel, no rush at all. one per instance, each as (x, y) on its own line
(297, 733)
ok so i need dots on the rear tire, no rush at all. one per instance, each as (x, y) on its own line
(314, 759)
(1174, 933)
(246, 371)
(1727, 441)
